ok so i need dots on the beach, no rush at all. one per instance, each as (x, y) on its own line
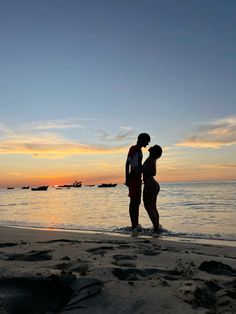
(48, 271)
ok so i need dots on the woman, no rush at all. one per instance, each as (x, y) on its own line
(151, 186)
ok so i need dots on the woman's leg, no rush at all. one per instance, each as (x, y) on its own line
(155, 214)
(149, 200)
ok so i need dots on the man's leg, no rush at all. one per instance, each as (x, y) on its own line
(135, 190)
(134, 211)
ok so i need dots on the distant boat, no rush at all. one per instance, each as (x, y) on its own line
(25, 187)
(10, 188)
(40, 188)
(90, 185)
(65, 186)
(107, 185)
(77, 184)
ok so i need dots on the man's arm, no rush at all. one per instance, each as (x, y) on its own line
(127, 171)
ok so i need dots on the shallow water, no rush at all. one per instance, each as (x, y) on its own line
(194, 210)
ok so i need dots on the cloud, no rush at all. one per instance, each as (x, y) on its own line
(47, 145)
(54, 124)
(218, 166)
(5, 130)
(15, 174)
(126, 134)
(215, 134)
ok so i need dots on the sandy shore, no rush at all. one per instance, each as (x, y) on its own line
(62, 272)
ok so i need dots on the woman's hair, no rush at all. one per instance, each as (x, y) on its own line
(155, 151)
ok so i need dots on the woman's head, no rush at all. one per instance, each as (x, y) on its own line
(155, 151)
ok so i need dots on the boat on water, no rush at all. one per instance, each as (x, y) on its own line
(10, 188)
(107, 185)
(68, 186)
(40, 188)
(77, 184)
(25, 187)
(62, 187)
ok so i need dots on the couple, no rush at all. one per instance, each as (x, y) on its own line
(134, 171)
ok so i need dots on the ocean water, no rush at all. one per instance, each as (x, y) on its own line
(201, 210)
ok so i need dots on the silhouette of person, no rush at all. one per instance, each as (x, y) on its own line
(133, 178)
(151, 186)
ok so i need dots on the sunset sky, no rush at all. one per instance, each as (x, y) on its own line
(80, 79)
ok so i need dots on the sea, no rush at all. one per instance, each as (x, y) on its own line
(190, 210)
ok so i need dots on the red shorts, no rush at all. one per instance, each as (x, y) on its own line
(135, 188)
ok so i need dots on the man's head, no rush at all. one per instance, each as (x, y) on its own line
(155, 151)
(143, 139)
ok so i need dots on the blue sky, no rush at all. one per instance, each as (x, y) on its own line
(96, 73)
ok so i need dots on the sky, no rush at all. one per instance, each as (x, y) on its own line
(81, 79)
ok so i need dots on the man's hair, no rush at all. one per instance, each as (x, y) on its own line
(144, 137)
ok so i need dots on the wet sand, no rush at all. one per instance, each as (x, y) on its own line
(45, 271)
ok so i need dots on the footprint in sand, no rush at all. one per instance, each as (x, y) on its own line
(131, 274)
(33, 295)
(80, 267)
(60, 240)
(45, 295)
(197, 294)
(101, 250)
(31, 256)
(217, 268)
(125, 260)
(148, 252)
(217, 297)
(8, 244)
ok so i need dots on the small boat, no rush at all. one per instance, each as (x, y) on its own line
(61, 187)
(10, 188)
(77, 184)
(68, 186)
(89, 185)
(25, 187)
(40, 188)
(107, 185)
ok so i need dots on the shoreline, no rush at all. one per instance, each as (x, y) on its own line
(208, 241)
(90, 272)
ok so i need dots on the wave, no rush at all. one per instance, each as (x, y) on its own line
(123, 231)
(185, 235)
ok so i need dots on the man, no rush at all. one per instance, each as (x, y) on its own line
(133, 178)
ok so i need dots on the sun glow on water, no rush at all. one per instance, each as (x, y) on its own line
(203, 209)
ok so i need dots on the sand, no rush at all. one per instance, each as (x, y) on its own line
(45, 271)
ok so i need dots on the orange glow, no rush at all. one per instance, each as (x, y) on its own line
(174, 165)
(165, 173)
